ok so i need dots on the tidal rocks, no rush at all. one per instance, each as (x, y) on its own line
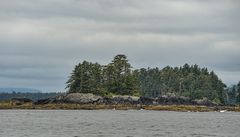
(174, 100)
(147, 101)
(20, 101)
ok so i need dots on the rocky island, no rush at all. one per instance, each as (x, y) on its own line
(117, 86)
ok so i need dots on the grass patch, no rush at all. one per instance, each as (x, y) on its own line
(182, 108)
(5, 105)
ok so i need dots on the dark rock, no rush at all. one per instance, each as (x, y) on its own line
(122, 100)
(42, 101)
(20, 101)
(147, 101)
(173, 100)
(102, 101)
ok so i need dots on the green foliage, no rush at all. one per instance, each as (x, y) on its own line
(118, 78)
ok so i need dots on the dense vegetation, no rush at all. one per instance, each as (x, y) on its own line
(118, 77)
(32, 96)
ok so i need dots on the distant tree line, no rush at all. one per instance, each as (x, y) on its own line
(32, 96)
(118, 77)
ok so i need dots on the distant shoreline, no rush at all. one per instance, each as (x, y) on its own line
(63, 106)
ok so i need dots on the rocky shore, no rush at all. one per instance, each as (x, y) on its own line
(80, 98)
(95, 102)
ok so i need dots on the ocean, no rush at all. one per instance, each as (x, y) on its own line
(117, 123)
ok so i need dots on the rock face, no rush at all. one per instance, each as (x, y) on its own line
(83, 98)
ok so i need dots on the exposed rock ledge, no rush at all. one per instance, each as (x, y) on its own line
(87, 98)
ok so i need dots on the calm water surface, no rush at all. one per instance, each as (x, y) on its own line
(112, 123)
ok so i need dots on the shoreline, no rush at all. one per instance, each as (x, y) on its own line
(65, 106)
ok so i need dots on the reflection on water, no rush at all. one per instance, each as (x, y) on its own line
(109, 123)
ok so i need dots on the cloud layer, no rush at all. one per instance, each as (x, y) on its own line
(41, 41)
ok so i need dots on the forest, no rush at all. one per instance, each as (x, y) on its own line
(118, 78)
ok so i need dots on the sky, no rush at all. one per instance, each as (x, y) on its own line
(42, 40)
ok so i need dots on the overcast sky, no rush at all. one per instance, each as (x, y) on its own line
(42, 40)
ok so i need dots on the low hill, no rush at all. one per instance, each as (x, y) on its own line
(19, 90)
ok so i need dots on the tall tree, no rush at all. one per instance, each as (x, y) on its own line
(85, 78)
(74, 82)
(123, 82)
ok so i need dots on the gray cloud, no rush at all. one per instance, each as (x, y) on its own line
(41, 41)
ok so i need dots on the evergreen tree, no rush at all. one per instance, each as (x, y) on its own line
(122, 81)
(238, 93)
(85, 78)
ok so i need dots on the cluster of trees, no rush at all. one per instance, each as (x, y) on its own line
(233, 94)
(115, 77)
(118, 77)
(190, 81)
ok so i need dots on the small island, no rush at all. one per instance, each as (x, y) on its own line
(118, 86)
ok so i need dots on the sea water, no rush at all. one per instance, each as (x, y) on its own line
(116, 123)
